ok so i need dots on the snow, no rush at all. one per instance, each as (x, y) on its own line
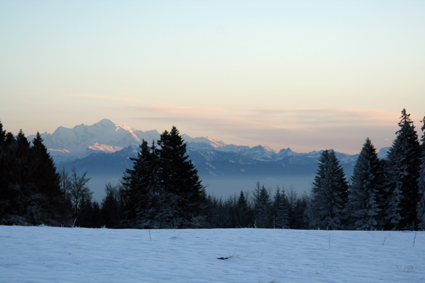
(51, 254)
(105, 147)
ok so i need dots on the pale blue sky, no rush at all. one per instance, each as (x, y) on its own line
(308, 75)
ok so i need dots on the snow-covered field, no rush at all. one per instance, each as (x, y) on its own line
(48, 254)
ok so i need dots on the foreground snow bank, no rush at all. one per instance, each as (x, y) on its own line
(48, 254)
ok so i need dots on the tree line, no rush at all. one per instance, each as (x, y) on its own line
(383, 194)
(163, 190)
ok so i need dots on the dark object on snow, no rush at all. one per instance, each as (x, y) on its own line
(223, 258)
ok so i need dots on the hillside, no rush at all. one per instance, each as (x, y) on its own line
(47, 254)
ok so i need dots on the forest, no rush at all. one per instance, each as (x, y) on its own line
(163, 190)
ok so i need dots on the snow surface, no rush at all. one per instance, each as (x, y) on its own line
(51, 254)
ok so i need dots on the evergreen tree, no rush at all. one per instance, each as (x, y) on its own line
(30, 193)
(421, 183)
(110, 210)
(281, 209)
(263, 208)
(329, 194)
(243, 212)
(142, 187)
(299, 220)
(365, 198)
(4, 202)
(402, 177)
(47, 181)
(163, 189)
(179, 178)
(2, 135)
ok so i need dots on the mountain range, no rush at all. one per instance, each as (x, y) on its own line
(103, 150)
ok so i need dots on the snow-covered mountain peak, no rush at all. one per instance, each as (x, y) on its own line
(106, 123)
(207, 140)
(104, 147)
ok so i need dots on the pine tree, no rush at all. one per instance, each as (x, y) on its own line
(421, 183)
(2, 135)
(281, 209)
(141, 187)
(163, 189)
(365, 197)
(243, 212)
(47, 182)
(300, 220)
(263, 208)
(110, 210)
(179, 178)
(402, 177)
(329, 194)
(30, 191)
(3, 184)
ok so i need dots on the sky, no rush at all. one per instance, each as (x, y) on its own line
(309, 75)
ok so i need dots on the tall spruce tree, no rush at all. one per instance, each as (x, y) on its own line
(47, 182)
(402, 177)
(111, 209)
(163, 189)
(243, 212)
(421, 183)
(365, 201)
(142, 188)
(263, 211)
(179, 177)
(30, 193)
(329, 194)
(281, 209)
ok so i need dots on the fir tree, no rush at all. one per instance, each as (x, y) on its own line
(402, 177)
(2, 135)
(263, 208)
(281, 209)
(30, 191)
(299, 220)
(329, 194)
(142, 186)
(365, 198)
(421, 183)
(110, 209)
(163, 189)
(179, 179)
(243, 212)
(47, 182)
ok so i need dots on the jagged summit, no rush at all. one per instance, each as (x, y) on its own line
(106, 136)
(106, 123)
(81, 140)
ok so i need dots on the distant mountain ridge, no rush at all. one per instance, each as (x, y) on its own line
(104, 150)
(67, 144)
(105, 136)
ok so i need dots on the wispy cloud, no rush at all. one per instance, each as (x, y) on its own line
(273, 118)
(104, 97)
(301, 129)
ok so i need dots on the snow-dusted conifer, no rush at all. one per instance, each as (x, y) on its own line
(179, 177)
(421, 183)
(142, 188)
(281, 209)
(364, 201)
(242, 212)
(163, 189)
(263, 208)
(329, 194)
(402, 177)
